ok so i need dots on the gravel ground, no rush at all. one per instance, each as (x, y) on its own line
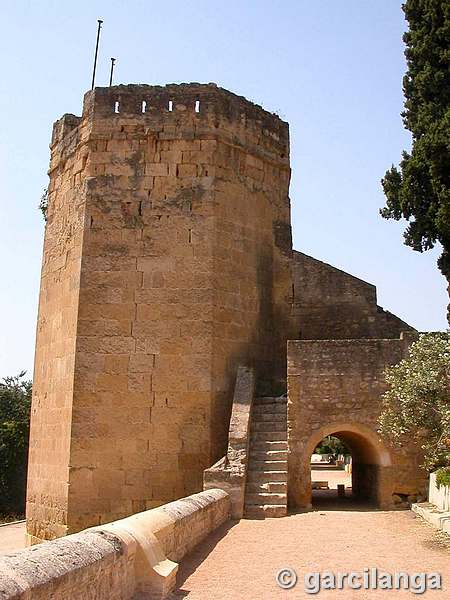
(239, 561)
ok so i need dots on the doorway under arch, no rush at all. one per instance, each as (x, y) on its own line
(371, 462)
(331, 475)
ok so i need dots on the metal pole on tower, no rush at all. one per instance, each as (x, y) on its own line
(99, 21)
(113, 60)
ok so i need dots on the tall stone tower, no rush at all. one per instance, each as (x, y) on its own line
(166, 264)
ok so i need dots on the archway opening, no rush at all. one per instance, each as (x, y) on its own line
(345, 466)
(331, 471)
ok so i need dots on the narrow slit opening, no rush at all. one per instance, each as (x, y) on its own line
(144, 106)
(170, 106)
(117, 107)
(197, 106)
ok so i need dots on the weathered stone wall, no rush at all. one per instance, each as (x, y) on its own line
(335, 388)
(230, 472)
(83, 566)
(171, 265)
(131, 558)
(53, 381)
(331, 304)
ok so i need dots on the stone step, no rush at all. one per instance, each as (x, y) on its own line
(264, 511)
(270, 436)
(266, 487)
(279, 487)
(269, 416)
(269, 426)
(267, 465)
(274, 409)
(265, 498)
(270, 400)
(266, 476)
(268, 454)
(268, 445)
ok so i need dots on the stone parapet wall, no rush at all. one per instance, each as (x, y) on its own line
(230, 472)
(210, 107)
(81, 566)
(131, 558)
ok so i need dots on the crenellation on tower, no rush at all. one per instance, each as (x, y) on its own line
(171, 111)
(63, 127)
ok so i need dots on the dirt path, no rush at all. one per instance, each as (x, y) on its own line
(240, 561)
(12, 537)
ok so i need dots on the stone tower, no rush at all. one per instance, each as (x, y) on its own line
(166, 264)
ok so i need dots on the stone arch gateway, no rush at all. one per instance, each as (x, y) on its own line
(335, 387)
(371, 460)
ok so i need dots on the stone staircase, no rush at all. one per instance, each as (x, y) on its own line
(266, 488)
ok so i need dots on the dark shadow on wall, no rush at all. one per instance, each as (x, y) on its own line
(257, 351)
(264, 347)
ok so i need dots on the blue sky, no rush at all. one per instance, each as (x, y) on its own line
(332, 69)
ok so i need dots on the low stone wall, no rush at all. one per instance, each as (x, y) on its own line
(230, 472)
(437, 510)
(439, 495)
(127, 559)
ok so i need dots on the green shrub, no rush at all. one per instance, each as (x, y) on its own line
(15, 404)
(443, 476)
(416, 405)
(332, 445)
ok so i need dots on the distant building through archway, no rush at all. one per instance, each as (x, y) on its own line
(369, 458)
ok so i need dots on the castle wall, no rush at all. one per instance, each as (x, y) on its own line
(183, 267)
(335, 387)
(53, 382)
(331, 304)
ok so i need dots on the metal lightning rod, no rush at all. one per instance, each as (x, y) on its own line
(113, 60)
(99, 21)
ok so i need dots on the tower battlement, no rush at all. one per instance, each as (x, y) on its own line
(193, 108)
